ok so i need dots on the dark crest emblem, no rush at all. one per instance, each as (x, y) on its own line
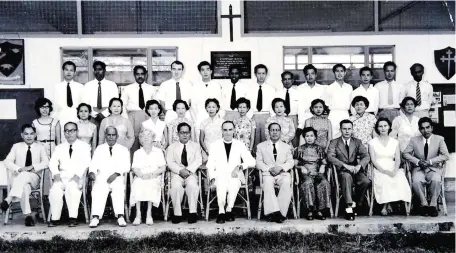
(10, 57)
(444, 61)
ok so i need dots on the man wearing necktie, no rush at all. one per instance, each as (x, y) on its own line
(232, 92)
(274, 160)
(68, 94)
(135, 97)
(183, 159)
(344, 152)
(420, 90)
(98, 92)
(109, 164)
(25, 160)
(67, 165)
(426, 154)
(391, 93)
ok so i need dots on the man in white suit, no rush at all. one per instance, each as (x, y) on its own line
(274, 159)
(227, 158)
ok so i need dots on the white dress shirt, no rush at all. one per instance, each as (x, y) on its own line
(62, 164)
(427, 96)
(398, 94)
(130, 96)
(167, 92)
(109, 90)
(17, 156)
(241, 88)
(371, 94)
(268, 95)
(61, 108)
(337, 97)
(295, 98)
(104, 164)
(309, 94)
(200, 93)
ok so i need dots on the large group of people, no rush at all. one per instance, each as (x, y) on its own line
(301, 130)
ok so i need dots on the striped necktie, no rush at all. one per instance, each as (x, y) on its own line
(418, 94)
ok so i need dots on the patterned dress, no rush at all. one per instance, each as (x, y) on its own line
(212, 128)
(173, 125)
(322, 124)
(314, 188)
(85, 131)
(363, 127)
(124, 130)
(242, 130)
(287, 128)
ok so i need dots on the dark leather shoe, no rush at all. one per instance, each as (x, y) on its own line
(176, 219)
(423, 211)
(192, 218)
(279, 218)
(54, 223)
(229, 216)
(310, 216)
(432, 211)
(320, 216)
(29, 222)
(221, 218)
(4, 206)
(350, 216)
(73, 223)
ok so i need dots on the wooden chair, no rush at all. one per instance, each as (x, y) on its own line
(83, 201)
(36, 194)
(292, 203)
(245, 198)
(185, 199)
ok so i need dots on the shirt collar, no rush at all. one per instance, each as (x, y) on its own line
(428, 140)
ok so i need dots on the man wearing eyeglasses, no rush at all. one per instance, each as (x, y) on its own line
(68, 163)
(183, 159)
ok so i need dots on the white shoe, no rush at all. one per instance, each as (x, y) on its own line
(137, 221)
(149, 221)
(94, 222)
(121, 222)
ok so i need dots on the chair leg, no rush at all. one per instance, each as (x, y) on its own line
(293, 204)
(7, 213)
(331, 211)
(445, 211)
(168, 202)
(407, 208)
(298, 203)
(260, 203)
(163, 200)
(201, 195)
(371, 208)
(208, 203)
(249, 216)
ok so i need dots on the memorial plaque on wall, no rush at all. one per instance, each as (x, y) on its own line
(221, 60)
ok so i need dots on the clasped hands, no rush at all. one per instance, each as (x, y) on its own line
(26, 168)
(352, 169)
(424, 164)
(110, 179)
(276, 170)
(75, 178)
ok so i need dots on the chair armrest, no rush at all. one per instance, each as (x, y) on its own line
(295, 170)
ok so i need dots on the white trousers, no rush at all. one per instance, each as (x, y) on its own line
(177, 193)
(100, 192)
(273, 203)
(21, 188)
(72, 196)
(227, 190)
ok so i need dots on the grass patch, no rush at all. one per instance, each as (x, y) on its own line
(248, 242)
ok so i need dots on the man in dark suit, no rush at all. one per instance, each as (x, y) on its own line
(426, 154)
(344, 152)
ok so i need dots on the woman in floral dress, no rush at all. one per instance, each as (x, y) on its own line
(87, 131)
(286, 124)
(180, 107)
(363, 123)
(320, 123)
(244, 128)
(211, 128)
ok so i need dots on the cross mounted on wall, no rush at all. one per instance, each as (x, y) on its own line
(231, 16)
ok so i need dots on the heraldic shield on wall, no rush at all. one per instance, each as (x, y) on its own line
(444, 61)
(12, 62)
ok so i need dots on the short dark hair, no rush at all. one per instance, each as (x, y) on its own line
(316, 101)
(286, 73)
(378, 122)
(180, 101)
(228, 122)
(308, 129)
(277, 100)
(416, 65)
(178, 63)
(139, 67)
(153, 102)
(213, 100)
(260, 66)
(360, 99)
(69, 63)
(112, 101)
(365, 68)
(25, 126)
(183, 124)
(82, 105)
(40, 102)
(339, 65)
(307, 67)
(274, 123)
(243, 100)
(345, 121)
(70, 122)
(99, 63)
(234, 66)
(424, 120)
(389, 63)
(406, 99)
(205, 63)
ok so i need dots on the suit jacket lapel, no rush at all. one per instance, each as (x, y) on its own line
(351, 147)
(271, 152)
(342, 147)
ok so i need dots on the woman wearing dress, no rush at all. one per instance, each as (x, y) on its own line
(87, 131)
(311, 164)
(287, 125)
(148, 166)
(154, 109)
(47, 128)
(244, 127)
(390, 183)
(180, 107)
(211, 128)
(363, 123)
(320, 122)
(122, 124)
(405, 126)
